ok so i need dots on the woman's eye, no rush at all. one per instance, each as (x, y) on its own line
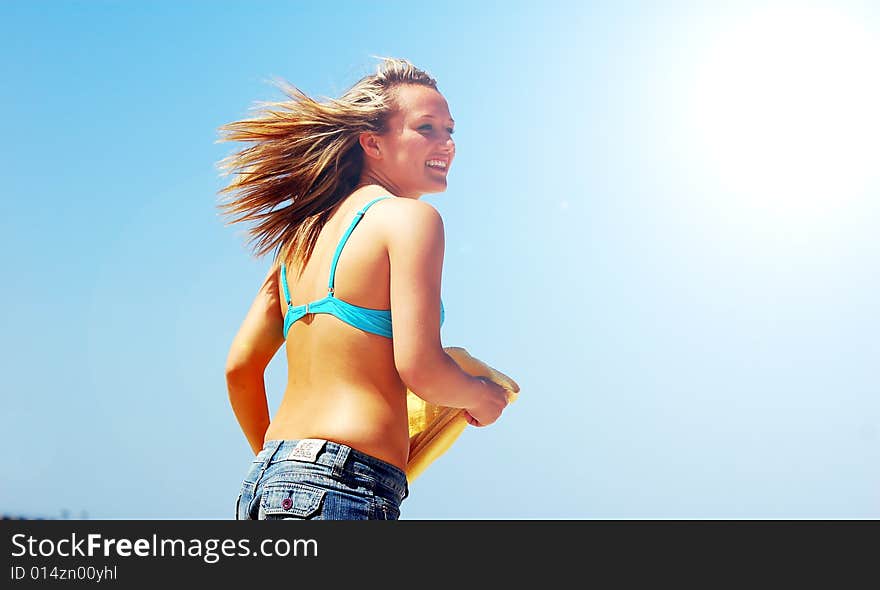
(449, 129)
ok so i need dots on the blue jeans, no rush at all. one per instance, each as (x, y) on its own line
(317, 479)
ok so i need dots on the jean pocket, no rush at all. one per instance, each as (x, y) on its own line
(290, 500)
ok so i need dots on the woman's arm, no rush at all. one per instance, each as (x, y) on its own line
(247, 394)
(258, 339)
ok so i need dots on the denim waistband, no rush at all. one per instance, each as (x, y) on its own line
(341, 458)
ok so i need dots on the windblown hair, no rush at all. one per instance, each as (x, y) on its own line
(306, 158)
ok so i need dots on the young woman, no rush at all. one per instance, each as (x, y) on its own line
(335, 187)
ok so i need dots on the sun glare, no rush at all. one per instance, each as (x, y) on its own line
(786, 109)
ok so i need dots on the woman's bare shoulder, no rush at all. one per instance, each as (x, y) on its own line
(397, 211)
(404, 220)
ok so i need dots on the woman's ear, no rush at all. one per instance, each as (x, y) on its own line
(370, 144)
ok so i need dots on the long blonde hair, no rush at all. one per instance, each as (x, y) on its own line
(306, 158)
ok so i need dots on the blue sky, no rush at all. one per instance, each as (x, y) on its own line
(662, 223)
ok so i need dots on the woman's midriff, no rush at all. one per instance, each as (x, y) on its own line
(371, 422)
(343, 386)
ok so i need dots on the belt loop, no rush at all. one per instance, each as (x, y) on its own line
(277, 445)
(341, 458)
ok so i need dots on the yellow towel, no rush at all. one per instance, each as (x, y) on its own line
(433, 429)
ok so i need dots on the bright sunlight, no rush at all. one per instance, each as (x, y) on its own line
(786, 110)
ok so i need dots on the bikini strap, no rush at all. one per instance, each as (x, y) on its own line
(357, 217)
(284, 283)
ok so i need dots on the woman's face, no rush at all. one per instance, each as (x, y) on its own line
(415, 153)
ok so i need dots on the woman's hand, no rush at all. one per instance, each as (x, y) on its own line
(491, 404)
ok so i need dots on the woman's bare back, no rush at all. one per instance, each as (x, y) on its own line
(342, 382)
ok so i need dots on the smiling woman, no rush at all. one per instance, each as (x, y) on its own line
(785, 110)
(334, 187)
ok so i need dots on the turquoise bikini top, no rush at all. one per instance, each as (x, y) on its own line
(376, 321)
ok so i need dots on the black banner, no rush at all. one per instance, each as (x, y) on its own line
(130, 554)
